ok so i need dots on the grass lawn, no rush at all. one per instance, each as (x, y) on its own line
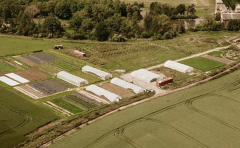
(67, 105)
(19, 117)
(202, 63)
(216, 54)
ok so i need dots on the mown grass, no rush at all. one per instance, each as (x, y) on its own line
(19, 117)
(203, 64)
(67, 105)
(216, 54)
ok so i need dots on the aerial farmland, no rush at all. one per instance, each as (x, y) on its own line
(143, 74)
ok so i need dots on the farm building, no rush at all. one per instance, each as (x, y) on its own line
(237, 9)
(226, 17)
(8, 81)
(17, 78)
(178, 66)
(145, 75)
(72, 79)
(164, 82)
(79, 53)
(220, 7)
(127, 85)
(102, 92)
(58, 47)
(101, 74)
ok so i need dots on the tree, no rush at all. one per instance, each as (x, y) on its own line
(181, 9)
(52, 24)
(191, 10)
(102, 32)
(63, 9)
(218, 17)
(32, 11)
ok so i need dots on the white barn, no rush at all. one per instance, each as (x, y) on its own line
(101, 74)
(72, 79)
(127, 85)
(102, 92)
(178, 66)
(145, 75)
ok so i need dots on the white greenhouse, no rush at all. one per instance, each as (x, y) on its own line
(72, 79)
(8, 81)
(178, 66)
(102, 92)
(17, 78)
(127, 85)
(101, 74)
(145, 75)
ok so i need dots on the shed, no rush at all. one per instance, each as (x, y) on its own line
(72, 79)
(58, 46)
(164, 82)
(99, 73)
(145, 75)
(79, 53)
(127, 85)
(102, 92)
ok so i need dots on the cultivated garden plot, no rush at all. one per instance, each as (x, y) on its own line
(124, 93)
(80, 102)
(32, 74)
(24, 60)
(51, 86)
(203, 64)
(206, 116)
(38, 58)
(30, 91)
(223, 60)
(5, 67)
(65, 65)
(87, 98)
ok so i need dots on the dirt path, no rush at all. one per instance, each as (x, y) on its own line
(133, 104)
(192, 56)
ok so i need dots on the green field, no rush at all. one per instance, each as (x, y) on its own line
(65, 65)
(205, 116)
(84, 103)
(19, 117)
(216, 54)
(67, 105)
(4, 67)
(203, 64)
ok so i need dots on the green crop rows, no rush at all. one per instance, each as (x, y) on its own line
(67, 105)
(84, 103)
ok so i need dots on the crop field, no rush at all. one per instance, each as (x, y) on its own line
(124, 93)
(78, 101)
(203, 64)
(65, 65)
(67, 105)
(206, 116)
(32, 74)
(4, 67)
(19, 117)
(51, 86)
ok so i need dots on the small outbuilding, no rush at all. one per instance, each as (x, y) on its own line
(99, 73)
(127, 85)
(164, 82)
(58, 46)
(102, 92)
(145, 75)
(79, 53)
(72, 79)
(178, 66)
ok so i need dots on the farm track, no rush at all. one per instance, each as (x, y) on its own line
(26, 119)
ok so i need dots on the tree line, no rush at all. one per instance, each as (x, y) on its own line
(91, 19)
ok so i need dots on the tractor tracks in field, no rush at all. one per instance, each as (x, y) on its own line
(26, 119)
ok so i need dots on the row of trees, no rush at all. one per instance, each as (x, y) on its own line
(89, 19)
(179, 12)
(231, 3)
